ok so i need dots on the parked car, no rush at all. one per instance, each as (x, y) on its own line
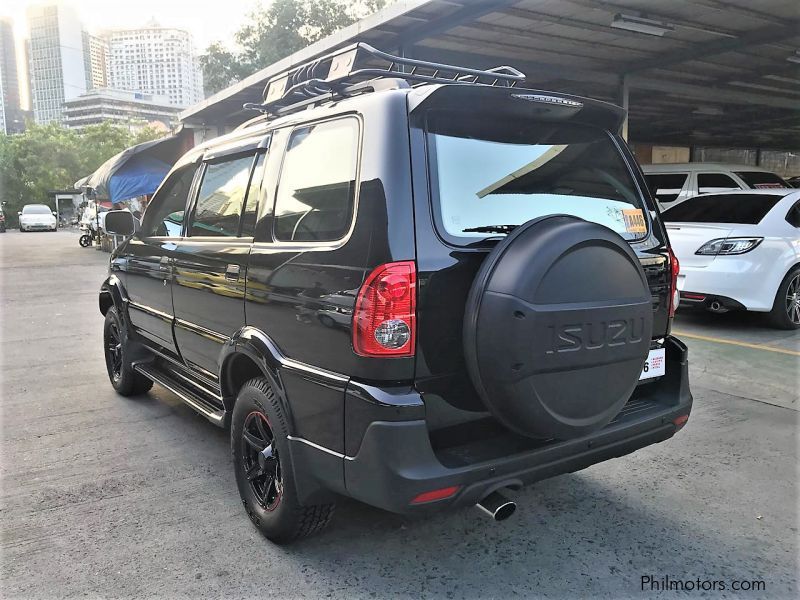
(37, 217)
(794, 181)
(412, 296)
(740, 251)
(671, 184)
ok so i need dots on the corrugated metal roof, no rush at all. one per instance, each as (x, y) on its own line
(719, 76)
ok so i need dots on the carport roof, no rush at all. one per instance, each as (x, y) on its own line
(725, 72)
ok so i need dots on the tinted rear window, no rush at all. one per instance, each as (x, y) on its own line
(723, 208)
(507, 172)
(666, 186)
(759, 180)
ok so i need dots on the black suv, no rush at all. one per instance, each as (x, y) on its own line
(408, 283)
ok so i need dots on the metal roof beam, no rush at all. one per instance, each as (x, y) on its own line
(473, 9)
(756, 37)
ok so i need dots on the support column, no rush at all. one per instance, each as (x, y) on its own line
(624, 98)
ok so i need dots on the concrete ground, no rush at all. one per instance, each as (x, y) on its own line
(110, 497)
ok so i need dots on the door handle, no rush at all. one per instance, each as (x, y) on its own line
(164, 262)
(232, 273)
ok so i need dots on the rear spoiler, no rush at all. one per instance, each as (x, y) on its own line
(519, 103)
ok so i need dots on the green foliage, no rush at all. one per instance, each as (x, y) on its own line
(275, 32)
(51, 157)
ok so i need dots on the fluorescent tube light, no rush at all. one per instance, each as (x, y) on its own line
(640, 25)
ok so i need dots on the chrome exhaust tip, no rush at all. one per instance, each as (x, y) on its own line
(497, 506)
(717, 307)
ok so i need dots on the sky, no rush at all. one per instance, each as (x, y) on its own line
(207, 20)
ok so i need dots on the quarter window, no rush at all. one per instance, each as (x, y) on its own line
(318, 182)
(793, 216)
(715, 182)
(219, 202)
(164, 215)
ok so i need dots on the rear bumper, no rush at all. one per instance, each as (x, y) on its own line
(729, 279)
(396, 460)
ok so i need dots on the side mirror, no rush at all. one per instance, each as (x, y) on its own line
(55, 214)
(120, 222)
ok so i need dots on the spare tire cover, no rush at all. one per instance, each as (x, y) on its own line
(557, 327)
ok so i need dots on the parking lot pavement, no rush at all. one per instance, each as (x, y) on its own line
(104, 496)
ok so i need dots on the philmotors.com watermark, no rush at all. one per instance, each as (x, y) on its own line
(652, 583)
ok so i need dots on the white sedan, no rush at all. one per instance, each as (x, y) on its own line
(740, 250)
(37, 217)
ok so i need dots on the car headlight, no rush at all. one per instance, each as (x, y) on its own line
(728, 246)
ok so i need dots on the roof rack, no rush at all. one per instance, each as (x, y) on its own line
(360, 68)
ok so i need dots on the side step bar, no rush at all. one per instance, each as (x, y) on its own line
(210, 412)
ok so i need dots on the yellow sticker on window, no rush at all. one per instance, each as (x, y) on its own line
(634, 220)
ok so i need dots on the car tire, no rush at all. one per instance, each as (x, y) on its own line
(117, 349)
(266, 482)
(785, 313)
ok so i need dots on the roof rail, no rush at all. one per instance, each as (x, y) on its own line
(359, 68)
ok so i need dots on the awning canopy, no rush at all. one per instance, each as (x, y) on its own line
(136, 171)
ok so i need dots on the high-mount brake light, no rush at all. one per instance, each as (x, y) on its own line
(674, 294)
(384, 321)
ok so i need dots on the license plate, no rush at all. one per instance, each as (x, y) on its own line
(655, 365)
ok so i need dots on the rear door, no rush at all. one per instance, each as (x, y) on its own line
(668, 188)
(211, 260)
(149, 260)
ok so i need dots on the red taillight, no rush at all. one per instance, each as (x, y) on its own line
(384, 321)
(441, 494)
(680, 421)
(675, 268)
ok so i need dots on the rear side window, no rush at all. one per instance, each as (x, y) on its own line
(164, 214)
(723, 208)
(487, 175)
(760, 180)
(793, 216)
(708, 183)
(666, 186)
(317, 187)
(219, 202)
(250, 213)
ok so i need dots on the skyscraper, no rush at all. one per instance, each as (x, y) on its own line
(10, 114)
(57, 63)
(155, 60)
(95, 48)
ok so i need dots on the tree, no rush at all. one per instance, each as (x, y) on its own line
(50, 157)
(271, 34)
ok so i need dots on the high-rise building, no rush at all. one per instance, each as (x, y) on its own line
(57, 64)
(10, 110)
(95, 49)
(155, 60)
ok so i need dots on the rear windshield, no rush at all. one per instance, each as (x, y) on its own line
(761, 180)
(723, 208)
(36, 209)
(507, 172)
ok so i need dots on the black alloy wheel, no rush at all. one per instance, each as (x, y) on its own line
(260, 460)
(113, 348)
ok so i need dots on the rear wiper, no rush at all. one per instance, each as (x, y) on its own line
(491, 229)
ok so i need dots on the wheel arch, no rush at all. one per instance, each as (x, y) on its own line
(251, 353)
(112, 293)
